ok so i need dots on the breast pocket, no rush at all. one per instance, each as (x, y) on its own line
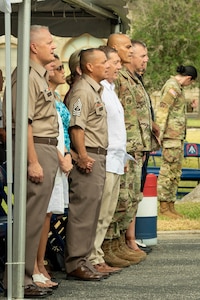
(99, 108)
(48, 95)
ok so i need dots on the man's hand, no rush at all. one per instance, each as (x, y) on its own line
(85, 163)
(35, 172)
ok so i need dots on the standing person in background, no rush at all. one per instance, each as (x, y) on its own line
(115, 159)
(138, 122)
(147, 130)
(171, 118)
(42, 160)
(75, 72)
(116, 252)
(88, 134)
(140, 74)
(59, 198)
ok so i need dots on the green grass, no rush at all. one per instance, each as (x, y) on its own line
(193, 123)
(190, 221)
(190, 210)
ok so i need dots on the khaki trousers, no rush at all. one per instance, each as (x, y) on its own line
(38, 196)
(85, 193)
(108, 206)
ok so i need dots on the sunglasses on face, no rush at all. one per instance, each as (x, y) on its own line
(60, 68)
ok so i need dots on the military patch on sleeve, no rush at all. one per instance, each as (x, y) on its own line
(77, 108)
(173, 93)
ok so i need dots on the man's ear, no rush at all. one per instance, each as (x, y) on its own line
(33, 48)
(114, 46)
(89, 67)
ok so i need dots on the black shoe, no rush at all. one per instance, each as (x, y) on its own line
(146, 249)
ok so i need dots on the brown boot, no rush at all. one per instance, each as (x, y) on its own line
(141, 255)
(165, 211)
(123, 253)
(138, 252)
(172, 209)
(110, 258)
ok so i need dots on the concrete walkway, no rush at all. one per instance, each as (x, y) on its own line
(170, 272)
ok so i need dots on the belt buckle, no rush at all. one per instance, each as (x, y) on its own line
(49, 141)
(98, 150)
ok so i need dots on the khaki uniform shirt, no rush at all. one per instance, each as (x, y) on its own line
(41, 107)
(170, 115)
(88, 111)
(41, 110)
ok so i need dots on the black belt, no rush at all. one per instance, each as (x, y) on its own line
(45, 140)
(97, 150)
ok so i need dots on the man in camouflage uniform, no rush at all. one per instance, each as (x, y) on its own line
(138, 126)
(172, 121)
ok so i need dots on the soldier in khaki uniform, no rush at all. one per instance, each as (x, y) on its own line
(172, 121)
(88, 133)
(42, 160)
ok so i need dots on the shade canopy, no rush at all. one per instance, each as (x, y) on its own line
(70, 18)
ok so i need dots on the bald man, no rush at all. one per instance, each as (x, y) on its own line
(118, 239)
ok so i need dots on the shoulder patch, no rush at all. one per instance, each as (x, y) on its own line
(77, 108)
(173, 92)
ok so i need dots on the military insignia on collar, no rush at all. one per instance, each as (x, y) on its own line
(77, 108)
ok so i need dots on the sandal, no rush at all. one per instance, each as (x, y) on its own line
(53, 284)
(40, 282)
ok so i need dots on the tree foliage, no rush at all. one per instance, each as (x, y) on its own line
(171, 30)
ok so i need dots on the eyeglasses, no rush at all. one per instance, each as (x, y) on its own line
(60, 68)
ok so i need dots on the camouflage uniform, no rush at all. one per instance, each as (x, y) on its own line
(135, 102)
(172, 121)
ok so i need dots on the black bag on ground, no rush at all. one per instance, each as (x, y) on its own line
(56, 243)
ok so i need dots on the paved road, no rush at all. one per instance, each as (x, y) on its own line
(171, 271)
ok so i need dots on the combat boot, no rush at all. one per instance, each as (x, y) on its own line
(141, 255)
(110, 258)
(123, 253)
(138, 252)
(165, 211)
(172, 209)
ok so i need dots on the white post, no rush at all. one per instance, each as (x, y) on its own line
(20, 179)
(9, 152)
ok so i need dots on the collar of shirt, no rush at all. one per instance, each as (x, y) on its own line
(39, 69)
(127, 74)
(96, 86)
(178, 84)
(108, 85)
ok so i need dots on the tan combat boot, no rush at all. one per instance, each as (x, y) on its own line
(124, 253)
(124, 247)
(110, 258)
(172, 209)
(165, 210)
